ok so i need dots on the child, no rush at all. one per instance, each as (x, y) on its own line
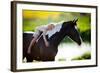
(37, 35)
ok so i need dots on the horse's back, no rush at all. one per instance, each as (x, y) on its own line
(27, 37)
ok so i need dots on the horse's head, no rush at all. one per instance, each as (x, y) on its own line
(71, 31)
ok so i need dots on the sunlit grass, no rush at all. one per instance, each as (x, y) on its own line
(85, 56)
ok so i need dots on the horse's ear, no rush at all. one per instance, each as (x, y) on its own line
(75, 20)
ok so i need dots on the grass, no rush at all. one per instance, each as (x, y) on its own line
(61, 59)
(86, 55)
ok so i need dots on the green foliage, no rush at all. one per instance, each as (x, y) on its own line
(84, 22)
(86, 55)
(86, 36)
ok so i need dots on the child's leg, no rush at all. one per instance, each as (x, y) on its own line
(31, 44)
(33, 41)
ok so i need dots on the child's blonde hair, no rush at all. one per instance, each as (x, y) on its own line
(51, 26)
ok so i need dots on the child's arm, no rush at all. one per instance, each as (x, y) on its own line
(45, 40)
(43, 29)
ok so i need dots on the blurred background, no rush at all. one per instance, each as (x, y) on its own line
(32, 19)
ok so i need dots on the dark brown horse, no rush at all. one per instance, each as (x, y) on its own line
(42, 53)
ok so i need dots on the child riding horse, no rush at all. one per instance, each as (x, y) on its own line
(40, 52)
(37, 35)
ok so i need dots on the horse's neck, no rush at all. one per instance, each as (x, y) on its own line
(57, 38)
(60, 37)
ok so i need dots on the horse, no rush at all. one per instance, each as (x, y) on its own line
(40, 52)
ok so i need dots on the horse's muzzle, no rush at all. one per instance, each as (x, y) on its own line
(79, 43)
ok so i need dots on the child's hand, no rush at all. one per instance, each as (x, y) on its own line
(46, 44)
